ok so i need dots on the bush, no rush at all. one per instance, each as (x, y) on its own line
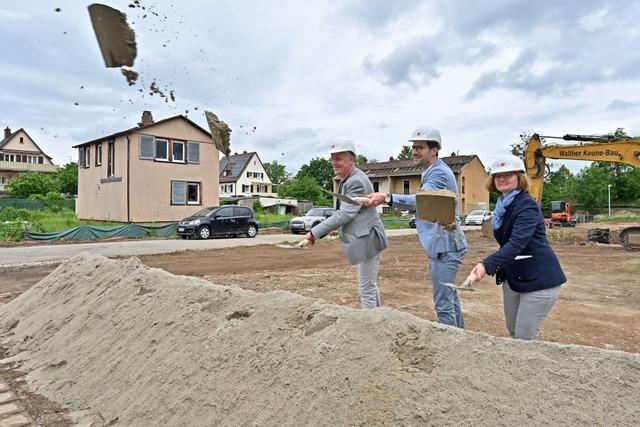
(12, 231)
(53, 201)
(14, 214)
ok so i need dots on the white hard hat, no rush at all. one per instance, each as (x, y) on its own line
(507, 164)
(342, 146)
(427, 133)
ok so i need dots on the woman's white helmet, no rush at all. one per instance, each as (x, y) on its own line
(427, 133)
(507, 164)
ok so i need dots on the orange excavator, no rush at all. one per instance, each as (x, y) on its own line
(602, 148)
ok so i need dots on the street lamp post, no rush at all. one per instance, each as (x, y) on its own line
(609, 196)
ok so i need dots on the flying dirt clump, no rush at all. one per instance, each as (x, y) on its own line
(220, 132)
(120, 343)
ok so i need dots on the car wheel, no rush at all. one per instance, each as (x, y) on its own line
(295, 231)
(252, 230)
(204, 232)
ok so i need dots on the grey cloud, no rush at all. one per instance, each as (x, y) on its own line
(620, 105)
(377, 13)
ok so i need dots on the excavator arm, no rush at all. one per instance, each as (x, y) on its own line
(589, 147)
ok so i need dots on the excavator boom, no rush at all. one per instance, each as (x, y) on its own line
(604, 148)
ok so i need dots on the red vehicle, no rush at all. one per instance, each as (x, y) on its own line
(561, 214)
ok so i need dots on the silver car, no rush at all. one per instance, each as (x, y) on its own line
(477, 217)
(302, 224)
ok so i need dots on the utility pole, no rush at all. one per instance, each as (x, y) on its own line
(609, 197)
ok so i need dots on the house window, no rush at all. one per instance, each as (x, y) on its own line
(405, 185)
(376, 187)
(177, 151)
(245, 188)
(98, 154)
(162, 150)
(21, 140)
(3, 180)
(40, 159)
(111, 159)
(463, 185)
(193, 193)
(87, 156)
(249, 174)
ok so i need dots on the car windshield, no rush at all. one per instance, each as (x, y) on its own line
(205, 211)
(315, 212)
(477, 213)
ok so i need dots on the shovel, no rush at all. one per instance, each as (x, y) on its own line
(302, 244)
(466, 285)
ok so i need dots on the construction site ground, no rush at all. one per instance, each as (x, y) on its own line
(599, 306)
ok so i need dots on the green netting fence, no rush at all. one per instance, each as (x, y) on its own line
(36, 204)
(92, 232)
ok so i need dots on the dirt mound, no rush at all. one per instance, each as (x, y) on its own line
(122, 344)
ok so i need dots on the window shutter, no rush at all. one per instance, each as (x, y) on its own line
(194, 152)
(178, 192)
(147, 147)
(81, 157)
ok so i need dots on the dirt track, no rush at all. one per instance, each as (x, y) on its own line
(597, 307)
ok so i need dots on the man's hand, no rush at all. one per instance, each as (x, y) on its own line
(309, 238)
(479, 271)
(376, 199)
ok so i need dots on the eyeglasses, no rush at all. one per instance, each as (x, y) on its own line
(504, 175)
(419, 147)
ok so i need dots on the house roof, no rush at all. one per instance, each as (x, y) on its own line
(10, 137)
(235, 164)
(137, 128)
(409, 168)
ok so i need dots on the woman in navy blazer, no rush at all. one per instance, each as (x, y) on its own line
(525, 264)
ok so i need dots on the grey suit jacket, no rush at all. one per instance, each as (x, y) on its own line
(361, 231)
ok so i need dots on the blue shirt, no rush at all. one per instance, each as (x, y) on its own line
(434, 238)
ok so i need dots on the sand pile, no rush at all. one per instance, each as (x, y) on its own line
(122, 344)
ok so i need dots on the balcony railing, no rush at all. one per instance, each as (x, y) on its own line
(27, 167)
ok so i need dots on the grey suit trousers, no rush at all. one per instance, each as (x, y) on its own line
(368, 282)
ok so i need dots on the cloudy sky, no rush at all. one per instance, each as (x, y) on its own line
(306, 73)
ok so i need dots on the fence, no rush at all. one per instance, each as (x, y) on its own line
(36, 204)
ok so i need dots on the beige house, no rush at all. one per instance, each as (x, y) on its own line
(154, 172)
(19, 153)
(404, 177)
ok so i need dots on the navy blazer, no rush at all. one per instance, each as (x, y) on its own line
(525, 258)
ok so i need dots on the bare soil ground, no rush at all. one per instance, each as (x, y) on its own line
(599, 306)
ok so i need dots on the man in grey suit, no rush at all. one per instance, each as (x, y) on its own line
(362, 234)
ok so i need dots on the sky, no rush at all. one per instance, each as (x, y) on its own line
(291, 77)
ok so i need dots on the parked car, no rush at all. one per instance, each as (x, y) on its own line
(477, 217)
(219, 221)
(302, 224)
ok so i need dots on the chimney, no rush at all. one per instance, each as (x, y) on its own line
(147, 118)
(7, 132)
(391, 158)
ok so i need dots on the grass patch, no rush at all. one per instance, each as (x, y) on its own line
(617, 218)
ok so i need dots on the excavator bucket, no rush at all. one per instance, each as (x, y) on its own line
(630, 238)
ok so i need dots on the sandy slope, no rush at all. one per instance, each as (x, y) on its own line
(117, 342)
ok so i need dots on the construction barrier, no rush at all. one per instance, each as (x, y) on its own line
(91, 232)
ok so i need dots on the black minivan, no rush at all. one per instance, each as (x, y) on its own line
(219, 221)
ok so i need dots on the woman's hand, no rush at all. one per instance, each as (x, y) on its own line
(479, 271)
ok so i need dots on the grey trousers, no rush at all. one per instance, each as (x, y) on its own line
(368, 282)
(525, 312)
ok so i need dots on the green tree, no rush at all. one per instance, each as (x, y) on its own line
(277, 172)
(320, 171)
(558, 185)
(28, 184)
(405, 153)
(518, 148)
(590, 189)
(67, 177)
(304, 188)
(360, 159)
